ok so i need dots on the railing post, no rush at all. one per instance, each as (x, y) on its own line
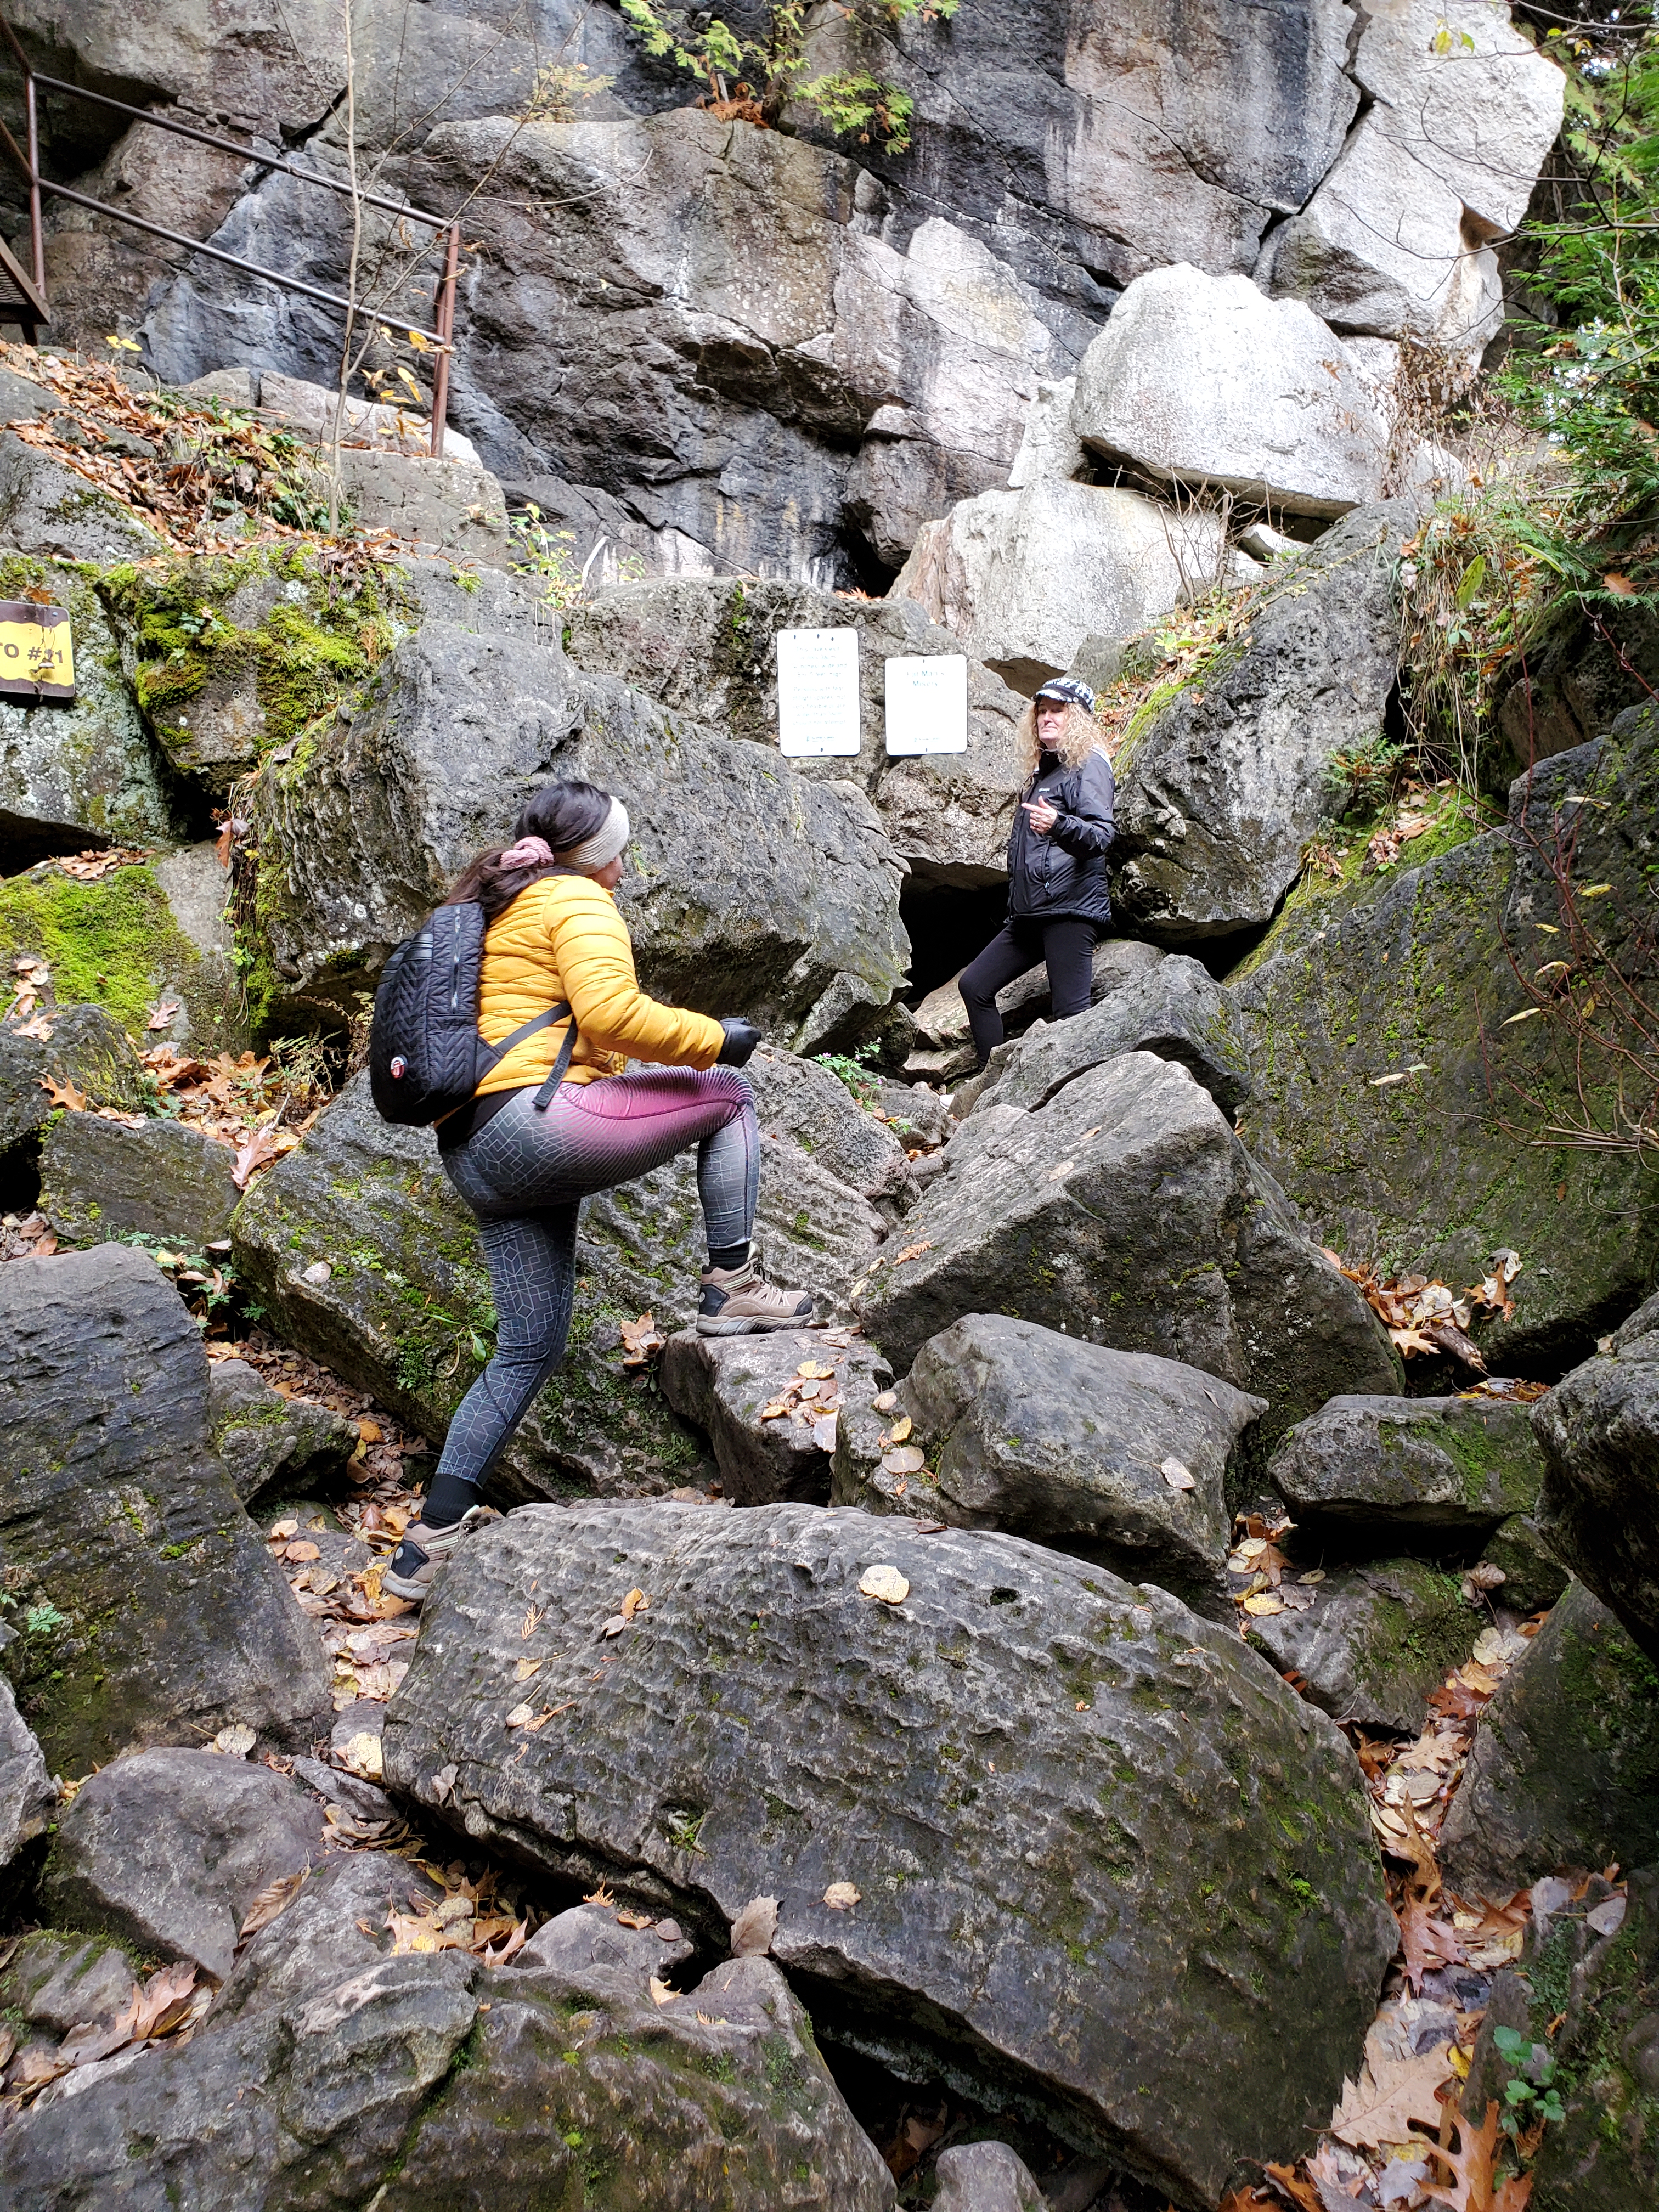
(444, 321)
(37, 241)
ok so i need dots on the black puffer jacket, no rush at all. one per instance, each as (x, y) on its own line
(1064, 874)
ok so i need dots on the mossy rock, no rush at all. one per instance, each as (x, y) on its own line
(143, 1608)
(1564, 1770)
(1586, 1994)
(1411, 974)
(1599, 1431)
(1374, 1642)
(86, 1047)
(1364, 1476)
(115, 943)
(1534, 1577)
(271, 1446)
(100, 1179)
(231, 656)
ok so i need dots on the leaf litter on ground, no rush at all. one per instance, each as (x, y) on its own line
(1396, 2137)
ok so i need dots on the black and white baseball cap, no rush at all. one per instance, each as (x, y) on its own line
(1070, 689)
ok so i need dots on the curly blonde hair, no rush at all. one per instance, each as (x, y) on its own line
(1081, 736)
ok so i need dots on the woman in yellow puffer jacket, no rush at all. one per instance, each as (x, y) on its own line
(555, 936)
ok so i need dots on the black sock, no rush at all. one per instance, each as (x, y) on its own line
(449, 1498)
(727, 1256)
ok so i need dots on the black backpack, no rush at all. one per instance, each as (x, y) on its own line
(426, 1056)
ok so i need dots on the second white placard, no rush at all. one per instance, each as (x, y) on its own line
(927, 703)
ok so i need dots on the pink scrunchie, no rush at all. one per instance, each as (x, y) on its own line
(528, 853)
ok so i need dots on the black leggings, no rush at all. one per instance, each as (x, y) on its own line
(1066, 944)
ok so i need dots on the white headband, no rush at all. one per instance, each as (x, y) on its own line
(606, 842)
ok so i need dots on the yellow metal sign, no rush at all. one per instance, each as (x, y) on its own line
(37, 653)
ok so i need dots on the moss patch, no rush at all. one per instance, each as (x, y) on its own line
(107, 943)
(313, 644)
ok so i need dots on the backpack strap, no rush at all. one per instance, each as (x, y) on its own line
(543, 1098)
(541, 1021)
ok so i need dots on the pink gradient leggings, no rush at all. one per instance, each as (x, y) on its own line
(524, 1175)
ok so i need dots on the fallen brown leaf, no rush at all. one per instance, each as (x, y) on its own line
(754, 1927)
(271, 1901)
(1381, 2105)
(1290, 2182)
(1471, 2188)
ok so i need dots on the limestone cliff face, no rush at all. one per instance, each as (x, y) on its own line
(733, 348)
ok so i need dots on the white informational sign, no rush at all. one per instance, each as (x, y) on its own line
(927, 703)
(817, 692)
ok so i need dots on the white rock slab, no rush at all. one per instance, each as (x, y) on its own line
(1385, 246)
(1202, 380)
(1397, 240)
(1479, 109)
(1023, 577)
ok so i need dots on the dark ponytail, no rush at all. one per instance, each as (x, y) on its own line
(562, 814)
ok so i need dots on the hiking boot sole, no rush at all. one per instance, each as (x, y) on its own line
(750, 1325)
(395, 1586)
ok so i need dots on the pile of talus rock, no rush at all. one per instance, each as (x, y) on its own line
(1165, 1676)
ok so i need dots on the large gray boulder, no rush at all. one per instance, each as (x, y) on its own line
(100, 1179)
(1382, 249)
(1599, 1430)
(366, 1257)
(1397, 1099)
(147, 1607)
(1201, 381)
(749, 890)
(451, 506)
(724, 2098)
(1230, 779)
(801, 1101)
(1021, 577)
(1441, 1473)
(270, 1445)
(1171, 1007)
(1039, 1856)
(1461, 112)
(864, 385)
(1126, 1212)
(1370, 1642)
(703, 646)
(333, 2067)
(1564, 1770)
(985, 2177)
(1142, 136)
(167, 1849)
(87, 772)
(1113, 1456)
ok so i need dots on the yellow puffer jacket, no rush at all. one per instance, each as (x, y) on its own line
(563, 938)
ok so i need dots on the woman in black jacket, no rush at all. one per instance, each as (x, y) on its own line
(1058, 903)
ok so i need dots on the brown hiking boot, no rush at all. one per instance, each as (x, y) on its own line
(735, 1302)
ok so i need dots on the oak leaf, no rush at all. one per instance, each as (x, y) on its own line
(1381, 2105)
(1472, 2187)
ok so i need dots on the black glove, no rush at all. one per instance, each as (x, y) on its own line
(741, 1039)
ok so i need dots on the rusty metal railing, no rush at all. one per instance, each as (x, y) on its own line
(28, 158)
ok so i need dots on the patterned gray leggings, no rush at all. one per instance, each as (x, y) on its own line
(524, 1175)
